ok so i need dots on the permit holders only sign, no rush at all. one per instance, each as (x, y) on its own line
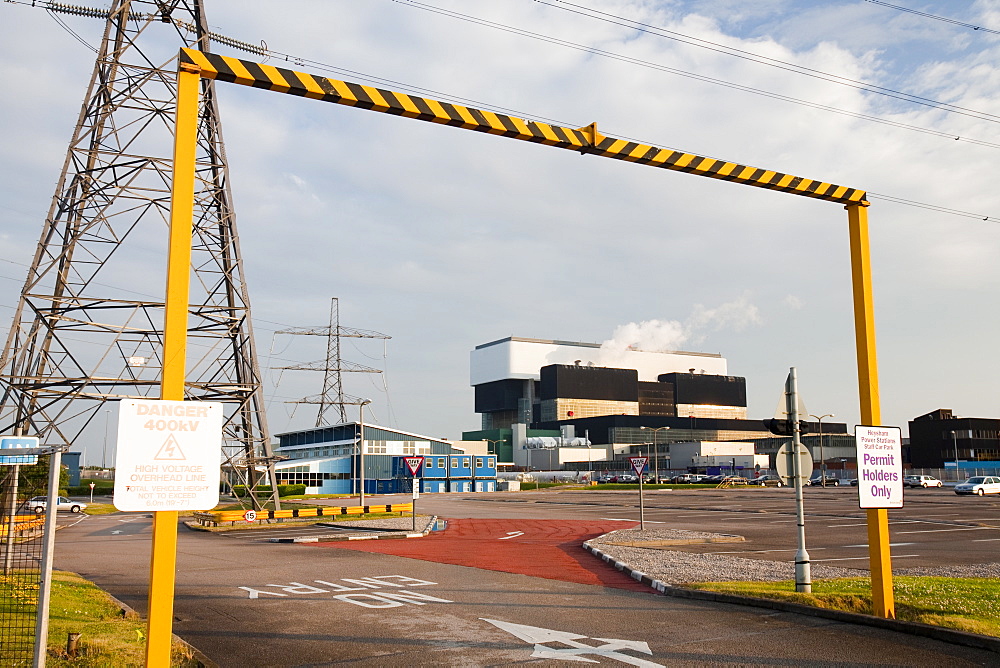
(169, 455)
(880, 467)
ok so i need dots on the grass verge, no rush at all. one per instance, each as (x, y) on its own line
(100, 509)
(964, 604)
(108, 637)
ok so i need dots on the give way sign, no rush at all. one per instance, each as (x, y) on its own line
(413, 463)
(638, 464)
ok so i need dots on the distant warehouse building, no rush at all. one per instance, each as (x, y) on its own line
(940, 439)
(327, 460)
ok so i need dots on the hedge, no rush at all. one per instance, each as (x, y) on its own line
(84, 490)
(283, 490)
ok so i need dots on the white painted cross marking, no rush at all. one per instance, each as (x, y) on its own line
(512, 534)
(611, 647)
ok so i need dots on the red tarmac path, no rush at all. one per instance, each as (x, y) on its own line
(549, 549)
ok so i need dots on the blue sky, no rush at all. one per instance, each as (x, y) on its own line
(445, 239)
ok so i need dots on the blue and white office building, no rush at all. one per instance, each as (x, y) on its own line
(327, 460)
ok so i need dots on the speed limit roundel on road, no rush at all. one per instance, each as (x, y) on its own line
(250, 515)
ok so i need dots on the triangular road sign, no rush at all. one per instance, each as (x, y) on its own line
(638, 464)
(413, 463)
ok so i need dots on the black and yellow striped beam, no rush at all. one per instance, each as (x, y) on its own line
(584, 140)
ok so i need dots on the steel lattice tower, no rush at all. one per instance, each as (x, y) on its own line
(334, 366)
(88, 326)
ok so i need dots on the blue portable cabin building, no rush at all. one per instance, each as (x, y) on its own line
(326, 459)
(449, 473)
(484, 473)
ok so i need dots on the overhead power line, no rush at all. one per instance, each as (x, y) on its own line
(649, 29)
(404, 86)
(935, 17)
(701, 77)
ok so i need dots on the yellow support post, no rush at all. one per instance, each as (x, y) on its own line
(163, 560)
(879, 557)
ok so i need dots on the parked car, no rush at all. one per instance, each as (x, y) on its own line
(712, 479)
(768, 481)
(38, 504)
(853, 482)
(980, 485)
(685, 478)
(921, 481)
(817, 481)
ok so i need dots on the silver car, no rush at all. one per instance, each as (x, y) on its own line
(921, 481)
(980, 484)
(39, 503)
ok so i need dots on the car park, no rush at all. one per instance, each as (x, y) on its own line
(979, 485)
(39, 503)
(921, 481)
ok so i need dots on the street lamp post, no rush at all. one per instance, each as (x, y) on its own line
(656, 452)
(954, 442)
(822, 458)
(104, 450)
(361, 447)
(493, 442)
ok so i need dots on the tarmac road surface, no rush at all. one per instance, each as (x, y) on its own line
(246, 602)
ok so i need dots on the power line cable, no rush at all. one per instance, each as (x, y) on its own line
(242, 45)
(647, 28)
(264, 51)
(943, 19)
(693, 75)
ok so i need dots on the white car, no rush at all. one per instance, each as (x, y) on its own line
(38, 504)
(921, 481)
(980, 485)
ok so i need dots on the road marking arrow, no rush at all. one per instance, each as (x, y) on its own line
(512, 534)
(611, 647)
(115, 532)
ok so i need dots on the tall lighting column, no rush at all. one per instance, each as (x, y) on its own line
(361, 446)
(822, 459)
(954, 442)
(656, 453)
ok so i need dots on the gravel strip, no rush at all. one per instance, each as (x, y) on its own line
(675, 567)
(386, 523)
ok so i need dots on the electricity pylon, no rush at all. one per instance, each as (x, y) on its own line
(334, 366)
(88, 328)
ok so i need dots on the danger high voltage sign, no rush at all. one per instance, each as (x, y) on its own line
(168, 455)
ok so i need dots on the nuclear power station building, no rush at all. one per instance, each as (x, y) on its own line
(527, 390)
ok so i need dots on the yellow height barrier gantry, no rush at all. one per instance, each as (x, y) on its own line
(194, 65)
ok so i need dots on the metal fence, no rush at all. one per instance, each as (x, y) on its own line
(21, 532)
(955, 475)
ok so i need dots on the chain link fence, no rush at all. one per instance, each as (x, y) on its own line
(21, 552)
